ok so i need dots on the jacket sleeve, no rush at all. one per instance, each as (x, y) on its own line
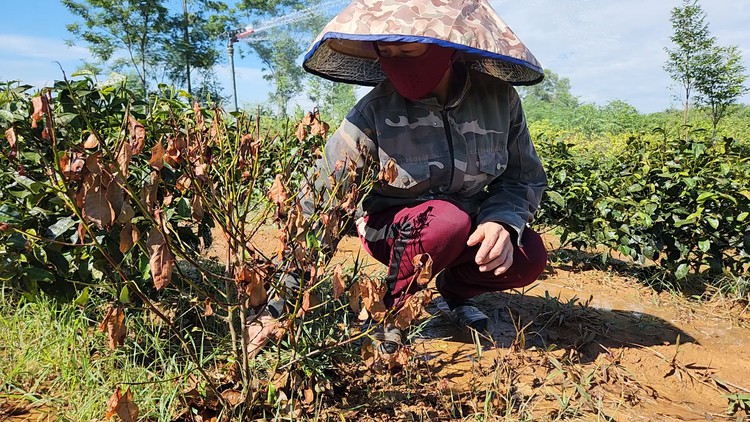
(332, 189)
(514, 196)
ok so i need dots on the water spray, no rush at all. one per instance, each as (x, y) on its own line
(246, 33)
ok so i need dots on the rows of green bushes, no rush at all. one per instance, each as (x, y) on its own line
(683, 204)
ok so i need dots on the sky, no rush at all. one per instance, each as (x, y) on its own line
(609, 49)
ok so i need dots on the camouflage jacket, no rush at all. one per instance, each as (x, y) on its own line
(475, 152)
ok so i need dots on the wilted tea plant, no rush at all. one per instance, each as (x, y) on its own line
(106, 197)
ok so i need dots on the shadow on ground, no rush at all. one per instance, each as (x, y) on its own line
(548, 323)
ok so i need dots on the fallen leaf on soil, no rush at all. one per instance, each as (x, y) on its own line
(233, 397)
(339, 285)
(114, 325)
(389, 171)
(122, 405)
(161, 260)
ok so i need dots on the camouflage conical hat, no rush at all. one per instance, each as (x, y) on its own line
(344, 49)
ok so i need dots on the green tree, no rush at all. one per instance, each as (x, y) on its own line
(688, 61)
(279, 53)
(722, 84)
(334, 99)
(194, 35)
(135, 27)
(554, 90)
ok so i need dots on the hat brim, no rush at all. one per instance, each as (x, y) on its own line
(344, 51)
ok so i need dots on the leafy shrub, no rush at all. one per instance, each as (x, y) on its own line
(682, 204)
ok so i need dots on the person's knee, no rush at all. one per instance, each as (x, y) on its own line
(449, 223)
(535, 254)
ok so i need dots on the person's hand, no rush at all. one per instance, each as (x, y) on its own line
(496, 252)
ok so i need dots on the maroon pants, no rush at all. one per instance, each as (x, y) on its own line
(441, 229)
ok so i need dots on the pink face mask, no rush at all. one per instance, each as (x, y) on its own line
(415, 77)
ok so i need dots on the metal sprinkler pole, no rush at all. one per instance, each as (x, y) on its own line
(230, 50)
(232, 37)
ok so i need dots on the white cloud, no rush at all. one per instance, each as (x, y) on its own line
(613, 49)
(41, 48)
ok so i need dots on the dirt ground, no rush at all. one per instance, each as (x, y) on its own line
(617, 350)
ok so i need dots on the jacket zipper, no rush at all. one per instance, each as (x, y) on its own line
(447, 127)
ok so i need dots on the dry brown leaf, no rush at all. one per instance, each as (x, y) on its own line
(172, 154)
(389, 171)
(116, 193)
(81, 233)
(373, 291)
(72, 164)
(422, 268)
(124, 156)
(412, 309)
(368, 353)
(354, 295)
(208, 310)
(196, 203)
(114, 325)
(308, 396)
(309, 301)
(349, 203)
(97, 207)
(122, 405)
(200, 170)
(301, 132)
(137, 135)
(157, 156)
(183, 183)
(308, 119)
(259, 332)
(91, 142)
(339, 284)
(10, 136)
(233, 397)
(320, 128)
(161, 261)
(277, 194)
(38, 114)
(250, 284)
(126, 237)
(126, 213)
(198, 116)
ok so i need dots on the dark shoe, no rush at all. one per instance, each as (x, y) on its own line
(388, 338)
(469, 316)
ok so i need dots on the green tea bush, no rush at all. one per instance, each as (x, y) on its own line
(682, 204)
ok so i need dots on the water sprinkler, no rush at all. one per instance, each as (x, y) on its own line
(234, 35)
